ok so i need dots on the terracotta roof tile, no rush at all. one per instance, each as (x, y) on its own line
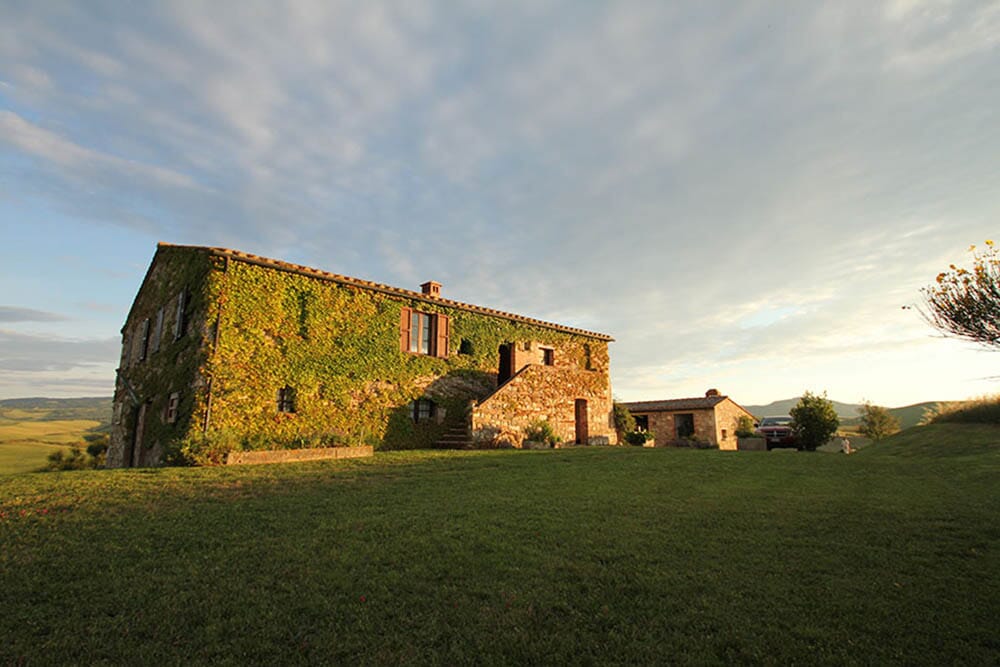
(674, 404)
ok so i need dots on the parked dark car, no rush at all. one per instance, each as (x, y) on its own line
(778, 432)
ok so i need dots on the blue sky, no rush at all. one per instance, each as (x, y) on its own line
(743, 194)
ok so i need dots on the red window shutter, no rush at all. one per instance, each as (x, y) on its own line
(404, 330)
(443, 333)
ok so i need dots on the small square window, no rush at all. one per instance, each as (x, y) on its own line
(286, 399)
(422, 410)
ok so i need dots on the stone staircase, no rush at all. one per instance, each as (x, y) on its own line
(456, 437)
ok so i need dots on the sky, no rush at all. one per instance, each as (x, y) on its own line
(744, 194)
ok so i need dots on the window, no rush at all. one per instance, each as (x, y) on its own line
(685, 425)
(172, 404)
(424, 333)
(143, 339)
(286, 399)
(465, 347)
(724, 434)
(180, 317)
(420, 332)
(642, 422)
(588, 363)
(422, 410)
(548, 356)
(158, 330)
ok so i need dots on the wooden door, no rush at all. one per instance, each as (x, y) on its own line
(582, 427)
(140, 426)
(506, 369)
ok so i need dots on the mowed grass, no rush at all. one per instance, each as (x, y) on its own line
(25, 445)
(586, 556)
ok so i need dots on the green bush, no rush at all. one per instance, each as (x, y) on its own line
(624, 421)
(693, 443)
(638, 438)
(745, 427)
(815, 420)
(541, 430)
(76, 459)
(877, 422)
(982, 410)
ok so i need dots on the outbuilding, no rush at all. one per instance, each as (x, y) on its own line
(710, 420)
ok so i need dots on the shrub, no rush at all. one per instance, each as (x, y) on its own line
(74, 460)
(541, 430)
(693, 443)
(638, 438)
(97, 447)
(981, 410)
(624, 421)
(877, 422)
(745, 427)
(815, 420)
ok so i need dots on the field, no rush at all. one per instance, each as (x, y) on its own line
(589, 555)
(25, 445)
(33, 428)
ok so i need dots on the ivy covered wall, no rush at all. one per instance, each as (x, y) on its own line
(256, 330)
(338, 347)
(171, 366)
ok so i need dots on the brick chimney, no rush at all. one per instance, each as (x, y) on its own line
(431, 288)
(711, 392)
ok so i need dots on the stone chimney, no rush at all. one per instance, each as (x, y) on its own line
(711, 392)
(431, 288)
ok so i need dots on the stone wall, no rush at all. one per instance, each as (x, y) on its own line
(142, 422)
(549, 393)
(255, 331)
(663, 426)
(727, 413)
(292, 455)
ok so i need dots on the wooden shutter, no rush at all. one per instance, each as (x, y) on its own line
(144, 339)
(404, 330)
(443, 333)
(158, 330)
(179, 315)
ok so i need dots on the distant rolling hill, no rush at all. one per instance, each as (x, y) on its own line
(908, 416)
(95, 408)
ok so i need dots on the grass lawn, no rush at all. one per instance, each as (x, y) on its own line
(592, 555)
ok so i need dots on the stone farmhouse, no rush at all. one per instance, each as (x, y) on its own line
(711, 419)
(224, 351)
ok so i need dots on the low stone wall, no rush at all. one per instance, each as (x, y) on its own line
(290, 455)
(752, 444)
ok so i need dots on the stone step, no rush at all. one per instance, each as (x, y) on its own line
(456, 437)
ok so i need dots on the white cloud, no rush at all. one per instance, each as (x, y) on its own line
(713, 185)
(50, 146)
